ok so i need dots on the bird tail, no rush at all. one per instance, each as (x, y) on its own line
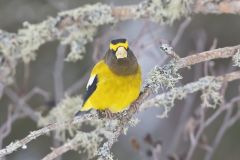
(83, 110)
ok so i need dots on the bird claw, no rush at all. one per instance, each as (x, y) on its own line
(106, 114)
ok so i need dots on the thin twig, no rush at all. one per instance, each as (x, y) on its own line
(36, 91)
(7, 126)
(226, 124)
(206, 123)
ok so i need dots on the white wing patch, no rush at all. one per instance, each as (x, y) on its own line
(90, 81)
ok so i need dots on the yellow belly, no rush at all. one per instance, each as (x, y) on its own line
(113, 92)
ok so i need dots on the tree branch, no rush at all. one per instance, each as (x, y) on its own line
(21, 104)
(78, 120)
(126, 116)
(225, 6)
(35, 134)
(226, 52)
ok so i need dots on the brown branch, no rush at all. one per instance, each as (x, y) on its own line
(225, 6)
(200, 6)
(226, 52)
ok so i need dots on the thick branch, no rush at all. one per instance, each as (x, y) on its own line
(208, 55)
(204, 7)
(225, 6)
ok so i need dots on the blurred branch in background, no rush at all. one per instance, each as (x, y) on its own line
(21, 104)
(78, 27)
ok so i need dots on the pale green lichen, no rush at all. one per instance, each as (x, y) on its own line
(7, 40)
(97, 142)
(7, 70)
(93, 143)
(163, 11)
(87, 143)
(77, 41)
(236, 58)
(133, 122)
(104, 152)
(89, 17)
(7, 62)
(83, 25)
(27, 40)
(165, 76)
(64, 111)
(75, 27)
(168, 50)
(31, 37)
(211, 95)
(209, 85)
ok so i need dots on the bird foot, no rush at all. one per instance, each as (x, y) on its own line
(106, 114)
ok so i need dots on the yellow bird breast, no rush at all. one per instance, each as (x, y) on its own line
(113, 92)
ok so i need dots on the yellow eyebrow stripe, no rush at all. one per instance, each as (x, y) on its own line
(115, 46)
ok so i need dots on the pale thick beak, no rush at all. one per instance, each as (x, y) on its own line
(121, 53)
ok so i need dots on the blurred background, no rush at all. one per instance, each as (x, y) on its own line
(187, 36)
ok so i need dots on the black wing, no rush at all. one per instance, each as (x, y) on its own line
(91, 87)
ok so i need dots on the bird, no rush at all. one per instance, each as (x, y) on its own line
(115, 81)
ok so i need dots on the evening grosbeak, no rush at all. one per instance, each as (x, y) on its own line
(115, 81)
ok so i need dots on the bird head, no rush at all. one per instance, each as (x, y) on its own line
(120, 58)
(119, 47)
